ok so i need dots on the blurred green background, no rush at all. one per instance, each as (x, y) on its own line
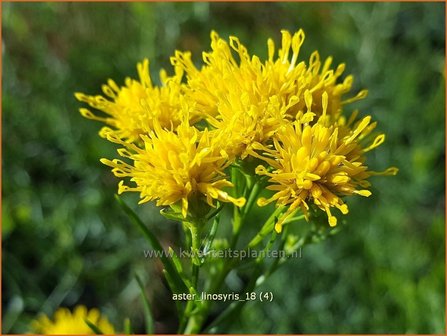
(66, 241)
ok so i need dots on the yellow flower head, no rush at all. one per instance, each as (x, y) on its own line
(248, 99)
(284, 111)
(174, 166)
(132, 110)
(317, 164)
(67, 323)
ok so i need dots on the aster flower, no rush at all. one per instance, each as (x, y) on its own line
(174, 166)
(67, 323)
(317, 164)
(132, 110)
(248, 99)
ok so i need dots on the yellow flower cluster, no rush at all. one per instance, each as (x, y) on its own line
(67, 323)
(181, 137)
(248, 100)
(132, 110)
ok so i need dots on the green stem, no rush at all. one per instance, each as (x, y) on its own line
(195, 275)
(194, 229)
(254, 193)
(189, 307)
(252, 190)
(196, 321)
(197, 315)
(237, 218)
(237, 223)
(267, 228)
(195, 243)
(194, 324)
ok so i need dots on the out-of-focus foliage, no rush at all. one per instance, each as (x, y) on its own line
(66, 241)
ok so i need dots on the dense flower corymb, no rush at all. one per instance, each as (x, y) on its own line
(180, 138)
(67, 323)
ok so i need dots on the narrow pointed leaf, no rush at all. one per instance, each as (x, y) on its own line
(178, 284)
(209, 240)
(149, 320)
(171, 286)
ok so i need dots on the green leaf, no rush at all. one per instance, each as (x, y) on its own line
(267, 228)
(171, 286)
(147, 308)
(179, 285)
(209, 240)
(176, 260)
(94, 328)
(237, 178)
(178, 266)
(267, 247)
